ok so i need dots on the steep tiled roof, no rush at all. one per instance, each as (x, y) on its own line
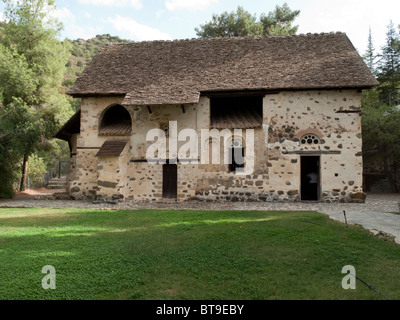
(169, 72)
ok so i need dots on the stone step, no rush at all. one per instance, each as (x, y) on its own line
(53, 187)
(57, 183)
(58, 180)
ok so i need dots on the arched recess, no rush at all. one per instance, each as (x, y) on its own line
(115, 121)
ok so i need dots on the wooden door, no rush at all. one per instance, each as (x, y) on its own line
(170, 181)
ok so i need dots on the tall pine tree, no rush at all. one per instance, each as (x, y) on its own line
(388, 70)
(370, 55)
(370, 97)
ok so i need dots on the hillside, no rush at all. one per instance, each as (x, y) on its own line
(82, 52)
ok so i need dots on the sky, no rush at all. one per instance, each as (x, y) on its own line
(143, 20)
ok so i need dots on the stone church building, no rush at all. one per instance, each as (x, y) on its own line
(299, 96)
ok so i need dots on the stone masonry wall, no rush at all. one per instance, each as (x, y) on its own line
(331, 115)
(85, 183)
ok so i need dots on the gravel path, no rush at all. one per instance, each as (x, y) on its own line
(378, 214)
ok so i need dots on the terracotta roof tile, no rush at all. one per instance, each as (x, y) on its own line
(166, 72)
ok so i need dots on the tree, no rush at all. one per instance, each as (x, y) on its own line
(234, 24)
(388, 70)
(279, 22)
(370, 56)
(370, 97)
(381, 116)
(17, 132)
(16, 78)
(35, 62)
(381, 136)
(242, 23)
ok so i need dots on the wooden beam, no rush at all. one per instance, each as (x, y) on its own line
(233, 94)
(349, 111)
(316, 152)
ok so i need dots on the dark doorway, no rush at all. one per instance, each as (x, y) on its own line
(170, 181)
(236, 153)
(310, 178)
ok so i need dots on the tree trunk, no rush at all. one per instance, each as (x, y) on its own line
(24, 173)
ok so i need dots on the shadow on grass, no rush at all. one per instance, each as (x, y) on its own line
(184, 255)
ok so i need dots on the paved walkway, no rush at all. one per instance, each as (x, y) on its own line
(377, 214)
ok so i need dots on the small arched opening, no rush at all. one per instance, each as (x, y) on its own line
(310, 139)
(116, 121)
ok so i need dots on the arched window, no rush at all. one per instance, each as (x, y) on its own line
(116, 121)
(310, 139)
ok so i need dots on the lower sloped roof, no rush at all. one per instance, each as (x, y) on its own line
(117, 129)
(237, 119)
(112, 148)
(72, 126)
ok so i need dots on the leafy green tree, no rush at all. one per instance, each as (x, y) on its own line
(17, 133)
(381, 136)
(234, 24)
(381, 115)
(35, 62)
(279, 22)
(16, 78)
(242, 23)
(36, 171)
(56, 150)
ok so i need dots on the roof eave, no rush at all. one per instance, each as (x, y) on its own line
(65, 133)
(81, 95)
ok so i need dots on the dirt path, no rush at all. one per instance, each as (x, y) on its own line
(32, 194)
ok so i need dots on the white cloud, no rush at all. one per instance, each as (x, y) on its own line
(115, 3)
(191, 5)
(78, 32)
(137, 31)
(352, 17)
(159, 13)
(2, 18)
(63, 14)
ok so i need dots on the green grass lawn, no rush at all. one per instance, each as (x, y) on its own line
(190, 255)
